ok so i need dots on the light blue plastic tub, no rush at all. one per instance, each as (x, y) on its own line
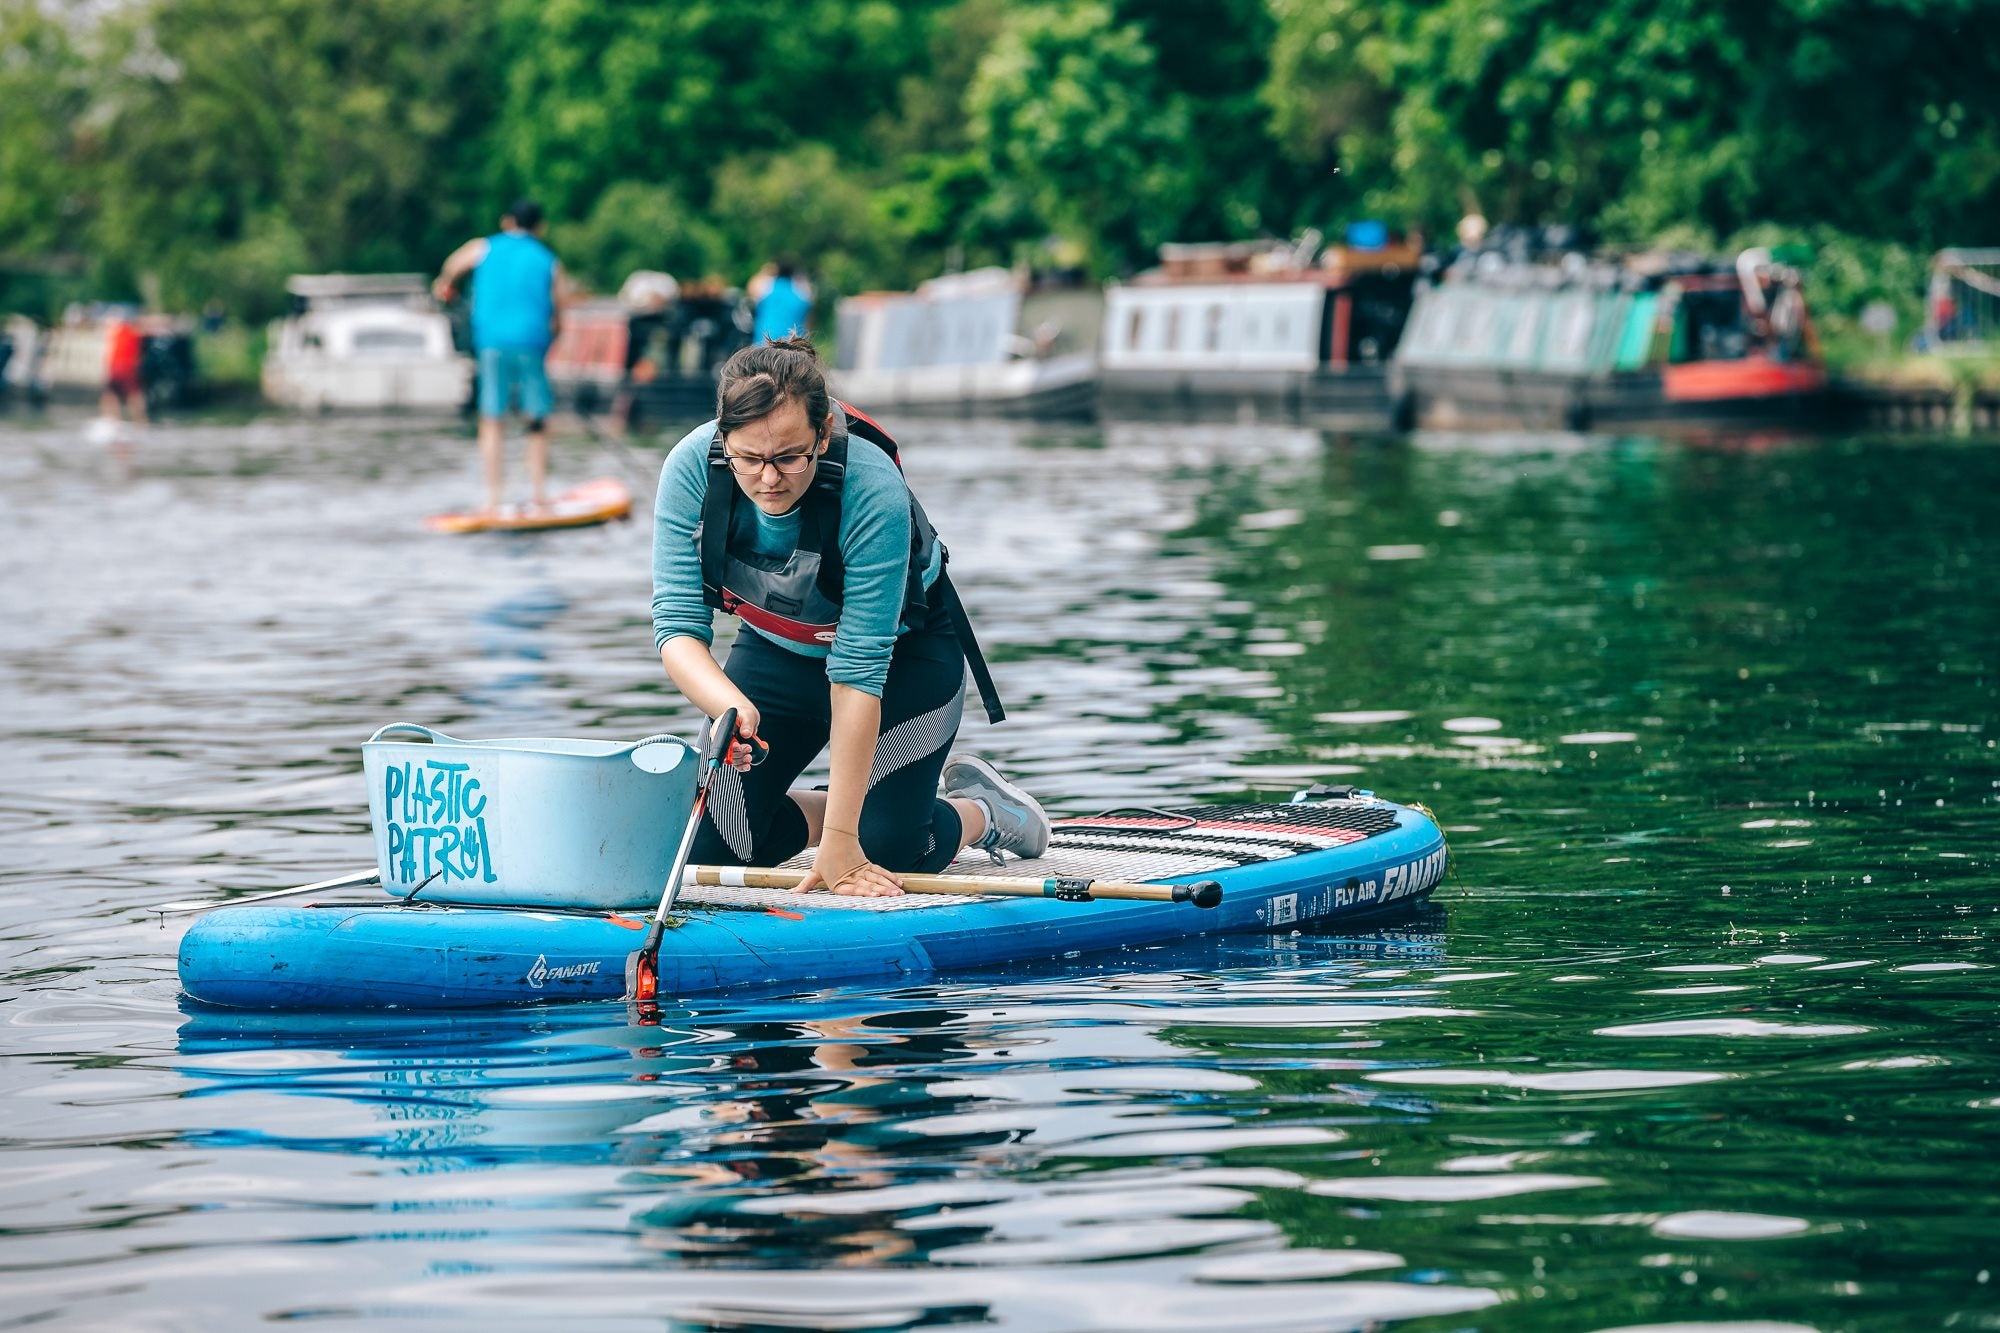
(526, 821)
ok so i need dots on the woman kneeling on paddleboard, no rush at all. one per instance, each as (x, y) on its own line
(852, 639)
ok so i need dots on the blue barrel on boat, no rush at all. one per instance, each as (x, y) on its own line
(1368, 234)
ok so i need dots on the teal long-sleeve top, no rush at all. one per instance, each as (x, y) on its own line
(874, 544)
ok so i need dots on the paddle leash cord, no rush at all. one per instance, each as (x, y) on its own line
(1178, 819)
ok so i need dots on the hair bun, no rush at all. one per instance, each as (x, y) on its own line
(797, 342)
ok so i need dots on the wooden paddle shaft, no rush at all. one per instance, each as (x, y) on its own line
(1202, 893)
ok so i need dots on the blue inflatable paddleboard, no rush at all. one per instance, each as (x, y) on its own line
(1281, 867)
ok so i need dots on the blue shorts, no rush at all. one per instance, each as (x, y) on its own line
(506, 371)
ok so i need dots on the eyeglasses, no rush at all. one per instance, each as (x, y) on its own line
(749, 465)
(790, 465)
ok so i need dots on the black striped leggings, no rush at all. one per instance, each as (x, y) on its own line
(904, 825)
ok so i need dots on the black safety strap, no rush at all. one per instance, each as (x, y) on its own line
(715, 507)
(715, 511)
(975, 661)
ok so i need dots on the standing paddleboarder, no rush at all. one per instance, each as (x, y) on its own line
(517, 287)
(792, 513)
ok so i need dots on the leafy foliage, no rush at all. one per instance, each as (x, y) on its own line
(245, 139)
(802, 204)
(43, 97)
(1079, 131)
(634, 226)
(1878, 117)
(45, 183)
(663, 93)
(203, 149)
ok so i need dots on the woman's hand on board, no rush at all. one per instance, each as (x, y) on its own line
(841, 865)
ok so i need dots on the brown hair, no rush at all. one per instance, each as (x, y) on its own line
(758, 380)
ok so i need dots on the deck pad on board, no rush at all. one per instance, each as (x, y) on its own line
(1135, 846)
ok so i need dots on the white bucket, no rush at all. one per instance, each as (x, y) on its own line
(526, 821)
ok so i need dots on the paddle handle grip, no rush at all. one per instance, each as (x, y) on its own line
(723, 743)
(1202, 893)
(721, 739)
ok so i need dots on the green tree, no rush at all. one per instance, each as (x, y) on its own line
(246, 138)
(1329, 108)
(196, 148)
(807, 205)
(599, 93)
(935, 183)
(1080, 134)
(635, 226)
(44, 186)
(1879, 117)
(1215, 55)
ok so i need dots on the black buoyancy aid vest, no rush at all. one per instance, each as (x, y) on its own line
(797, 596)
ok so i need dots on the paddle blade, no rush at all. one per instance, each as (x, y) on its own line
(642, 975)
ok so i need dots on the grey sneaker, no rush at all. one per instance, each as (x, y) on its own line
(1018, 824)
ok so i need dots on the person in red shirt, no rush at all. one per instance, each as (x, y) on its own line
(122, 387)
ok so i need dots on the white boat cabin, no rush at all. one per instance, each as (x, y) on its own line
(1242, 307)
(367, 342)
(955, 344)
(962, 319)
(1233, 326)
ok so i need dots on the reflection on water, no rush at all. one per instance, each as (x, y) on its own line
(1700, 1035)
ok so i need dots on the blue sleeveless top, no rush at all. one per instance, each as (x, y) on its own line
(781, 313)
(511, 298)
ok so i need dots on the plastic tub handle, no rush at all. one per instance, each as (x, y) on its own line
(432, 736)
(651, 763)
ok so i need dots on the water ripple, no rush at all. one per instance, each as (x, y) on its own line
(1718, 780)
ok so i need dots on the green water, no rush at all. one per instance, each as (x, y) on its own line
(1698, 1034)
(1726, 856)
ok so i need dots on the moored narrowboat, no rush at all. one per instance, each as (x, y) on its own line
(1289, 332)
(956, 346)
(1656, 342)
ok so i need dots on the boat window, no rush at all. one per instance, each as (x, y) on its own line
(1212, 338)
(1174, 329)
(388, 340)
(1132, 334)
(1572, 331)
(1525, 338)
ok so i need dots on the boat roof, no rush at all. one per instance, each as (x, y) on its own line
(975, 283)
(1230, 263)
(333, 288)
(1509, 268)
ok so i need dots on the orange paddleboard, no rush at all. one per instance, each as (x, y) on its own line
(596, 501)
